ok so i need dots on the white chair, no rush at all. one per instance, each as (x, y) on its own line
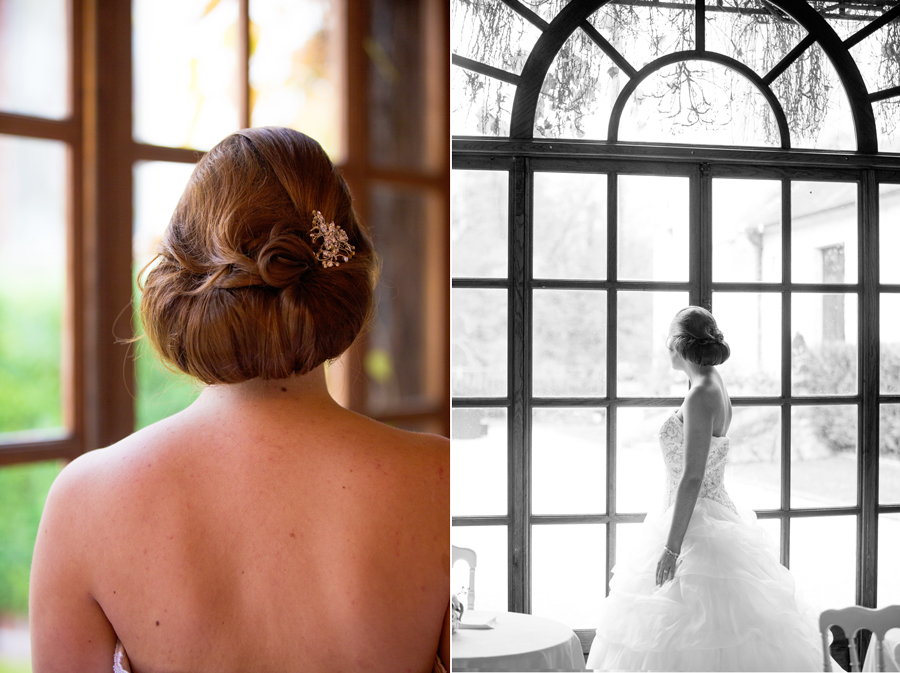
(469, 556)
(853, 619)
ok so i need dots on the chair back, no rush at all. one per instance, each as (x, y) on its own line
(853, 619)
(469, 556)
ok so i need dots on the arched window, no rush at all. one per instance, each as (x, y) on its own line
(613, 162)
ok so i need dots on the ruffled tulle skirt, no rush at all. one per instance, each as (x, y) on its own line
(731, 607)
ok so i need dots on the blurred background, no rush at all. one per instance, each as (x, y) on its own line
(105, 107)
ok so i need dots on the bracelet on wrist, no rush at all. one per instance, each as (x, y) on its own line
(670, 552)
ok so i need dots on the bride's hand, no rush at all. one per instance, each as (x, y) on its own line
(665, 569)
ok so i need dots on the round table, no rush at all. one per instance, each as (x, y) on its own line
(516, 643)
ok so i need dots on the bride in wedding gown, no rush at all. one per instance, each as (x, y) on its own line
(703, 589)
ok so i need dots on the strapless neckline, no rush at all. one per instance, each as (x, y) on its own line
(681, 422)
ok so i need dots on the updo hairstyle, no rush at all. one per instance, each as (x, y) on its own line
(238, 293)
(697, 338)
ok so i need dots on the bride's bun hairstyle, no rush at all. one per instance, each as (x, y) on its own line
(264, 270)
(697, 338)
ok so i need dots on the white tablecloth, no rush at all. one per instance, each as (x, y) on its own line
(891, 652)
(517, 643)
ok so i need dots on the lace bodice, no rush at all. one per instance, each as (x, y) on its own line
(671, 440)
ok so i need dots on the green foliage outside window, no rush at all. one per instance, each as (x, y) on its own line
(23, 490)
(30, 327)
(29, 360)
(30, 345)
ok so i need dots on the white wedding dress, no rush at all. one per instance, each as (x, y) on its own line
(731, 606)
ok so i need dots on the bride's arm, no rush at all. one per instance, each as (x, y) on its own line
(699, 407)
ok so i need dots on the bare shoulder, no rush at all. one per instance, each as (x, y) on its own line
(703, 398)
(418, 447)
(94, 487)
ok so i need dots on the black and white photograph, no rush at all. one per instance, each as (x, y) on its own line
(675, 330)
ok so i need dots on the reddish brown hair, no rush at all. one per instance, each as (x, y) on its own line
(237, 292)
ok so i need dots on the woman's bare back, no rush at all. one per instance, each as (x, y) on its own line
(263, 534)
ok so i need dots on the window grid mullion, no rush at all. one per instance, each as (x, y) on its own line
(869, 372)
(243, 63)
(704, 234)
(786, 327)
(612, 309)
(519, 354)
(695, 257)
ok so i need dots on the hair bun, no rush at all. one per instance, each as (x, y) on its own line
(236, 295)
(284, 259)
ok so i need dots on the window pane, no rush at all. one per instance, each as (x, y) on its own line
(397, 85)
(34, 57)
(815, 103)
(644, 33)
(492, 34)
(23, 490)
(479, 105)
(886, 114)
(495, 35)
(185, 72)
(823, 348)
(889, 455)
(491, 584)
(653, 228)
(823, 232)
(628, 541)
(578, 92)
(889, 231)
(161, 391)
(33, 204)
(740, 29)
(569, 345)
(478, 332)
(699, 102)
(823, 456)
(772, 527)
(890, 341)
(402, 362)
(568, 461)
(746, 230)
(547, 11)
(875, 58)
(294, 74)
(823, 559)
(752, 326)
(640, 474)
(753, 473)
(643, 365)
(478, 455)
(846, 20)
(479, 208)
(567, 577)
(888, 553)
(570, 225)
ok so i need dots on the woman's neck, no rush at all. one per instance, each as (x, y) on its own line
(697, 373)
(309, 390)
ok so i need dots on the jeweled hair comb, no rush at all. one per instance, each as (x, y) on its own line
(335, 244)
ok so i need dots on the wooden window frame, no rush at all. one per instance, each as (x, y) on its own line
(98, 377)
